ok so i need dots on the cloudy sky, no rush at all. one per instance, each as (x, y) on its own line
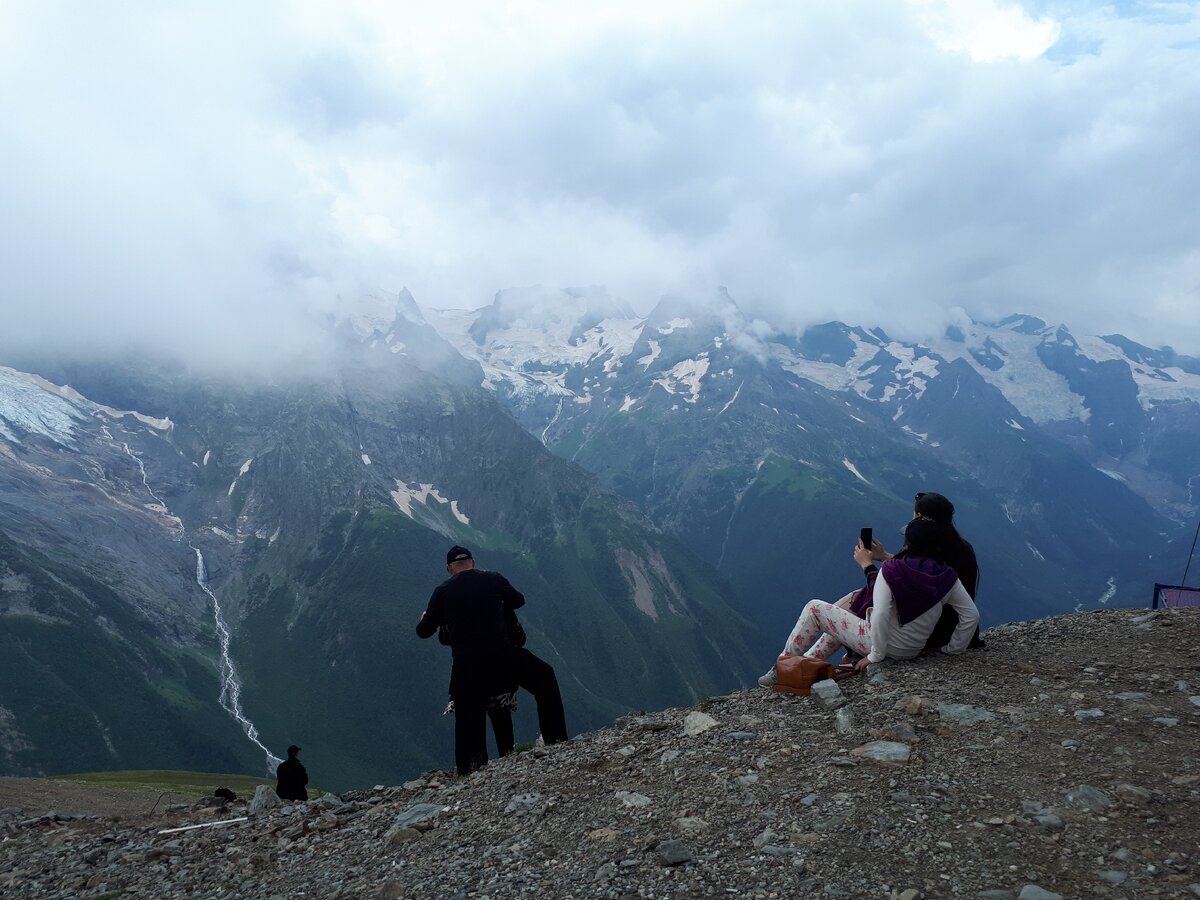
(197, 173)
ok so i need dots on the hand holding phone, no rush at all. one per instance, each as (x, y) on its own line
(865, 538)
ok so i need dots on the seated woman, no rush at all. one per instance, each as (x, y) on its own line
(960, 556)
(953, 551)
(908, 598)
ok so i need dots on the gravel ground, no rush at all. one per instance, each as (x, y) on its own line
(1062, 760)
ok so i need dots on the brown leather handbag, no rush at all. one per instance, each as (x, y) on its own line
(797, 674)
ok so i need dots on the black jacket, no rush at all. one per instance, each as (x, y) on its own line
(471, 608)
(290, 780)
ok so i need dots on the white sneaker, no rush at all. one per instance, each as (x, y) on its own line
(768, 680)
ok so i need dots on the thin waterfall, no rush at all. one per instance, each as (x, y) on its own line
(230, 697)
(231, 686)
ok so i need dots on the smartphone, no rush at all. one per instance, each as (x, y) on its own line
(864, 535)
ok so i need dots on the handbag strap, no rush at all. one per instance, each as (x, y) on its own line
(844, 670)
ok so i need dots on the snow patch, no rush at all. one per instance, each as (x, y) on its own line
(1152, 386)
(684, 378)
(245, 467)
(157, 424)
(1037, 392)
(828, 375)
(674, 325)
(1013, 423)
(405, 495)
(207, 457)
(1115, 476)
(628, 404)
(655, 350)
(1034, 551)
(854, 470)
(1110, 591)
(366, 460)
(912, 372)
(734, 397)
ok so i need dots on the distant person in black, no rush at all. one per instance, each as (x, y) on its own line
(291, 777)
(471, 604)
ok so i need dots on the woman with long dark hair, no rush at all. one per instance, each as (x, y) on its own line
(909, 596)
(945, 545)
(955, 552)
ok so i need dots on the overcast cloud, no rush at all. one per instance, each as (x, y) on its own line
(198, 174)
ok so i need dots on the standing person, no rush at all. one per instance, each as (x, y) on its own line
(500, 707)
(291, 778)
(471, 604)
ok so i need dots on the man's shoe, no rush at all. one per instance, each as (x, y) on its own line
(768, 680)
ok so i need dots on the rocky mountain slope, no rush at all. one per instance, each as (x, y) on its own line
(321, 507)
(1060, 761)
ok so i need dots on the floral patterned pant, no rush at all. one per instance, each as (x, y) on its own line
(832, 627)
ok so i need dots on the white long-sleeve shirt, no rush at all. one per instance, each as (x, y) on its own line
(891, 639)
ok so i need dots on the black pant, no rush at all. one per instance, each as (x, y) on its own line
(471, 712)
(537, 676)
(502, 730)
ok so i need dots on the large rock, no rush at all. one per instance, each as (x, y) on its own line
(963, 713)
(828, 694)
(1084, 796)
(888, 753)
(418, 814)
(673, 852)
(632, 798)
(264, 798)
(1037, 892)
(525, 804)
(697, 722)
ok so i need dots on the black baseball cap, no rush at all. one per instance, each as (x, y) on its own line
(457, 554)
(293, 750)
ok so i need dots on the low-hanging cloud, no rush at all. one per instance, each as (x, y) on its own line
(207, 178)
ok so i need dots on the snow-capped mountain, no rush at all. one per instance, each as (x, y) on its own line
(1056, 449)
(579, 346)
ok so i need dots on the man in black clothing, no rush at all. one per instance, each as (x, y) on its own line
(291, 777)
(471, 605)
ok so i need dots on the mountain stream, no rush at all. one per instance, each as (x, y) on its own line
(230, 697)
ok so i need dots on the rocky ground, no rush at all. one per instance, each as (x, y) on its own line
(1062, 760)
